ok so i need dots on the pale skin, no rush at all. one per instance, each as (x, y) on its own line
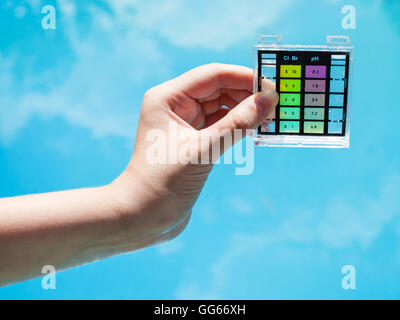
(147, 203)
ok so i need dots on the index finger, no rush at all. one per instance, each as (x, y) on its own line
(202, 81)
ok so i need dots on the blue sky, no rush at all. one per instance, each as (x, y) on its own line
(69, 105)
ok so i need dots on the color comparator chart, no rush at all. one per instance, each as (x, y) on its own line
(313, 88)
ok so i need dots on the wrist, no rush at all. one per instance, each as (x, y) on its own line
(144, 215)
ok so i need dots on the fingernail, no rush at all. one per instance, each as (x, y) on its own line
(266, 101)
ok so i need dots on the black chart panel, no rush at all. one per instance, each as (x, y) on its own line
(313, 88)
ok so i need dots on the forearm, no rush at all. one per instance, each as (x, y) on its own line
(62, 229)
(69, 228)
(150, 202)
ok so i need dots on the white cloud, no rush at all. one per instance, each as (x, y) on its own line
(342, 224)
(35, 5)
(20, 12)
(240, 204)
(360, 222)
(210, 24)
(115, 56)
(170, 247)
(102, 87)
(220, 277)
(67, 7)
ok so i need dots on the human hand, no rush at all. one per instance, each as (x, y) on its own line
(192, 103)
(151, 201)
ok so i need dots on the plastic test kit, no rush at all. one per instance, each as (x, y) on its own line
(313, 83)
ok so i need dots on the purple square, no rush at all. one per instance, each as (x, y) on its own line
(315, 85)
(315, 71)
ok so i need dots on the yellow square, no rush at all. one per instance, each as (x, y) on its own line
(313, 127)
(290, 85)
(290, 71)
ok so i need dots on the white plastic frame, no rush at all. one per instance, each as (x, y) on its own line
(334, 43)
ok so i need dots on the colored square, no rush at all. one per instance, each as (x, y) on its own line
(290, 71)
(336, 100)
(314, 113)
(338, 72)
(336, 86)
(338, 62)
(268, 126)
(315, 71)
(289, 113)
(335, 127)
(268, 72)
(315, 85)
(272, 126)
(338, 59)
(291, 85)
(335, 114)
(268, 59)
(312, 88)
(314, 99)
(268, 56)
(313, 127)
(289, 126)
(290, 99)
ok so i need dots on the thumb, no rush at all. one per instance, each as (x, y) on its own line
(250, 112)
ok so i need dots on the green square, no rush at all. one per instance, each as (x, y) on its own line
(290, 99)
(289, 113)
(289, 126)
(314, 113)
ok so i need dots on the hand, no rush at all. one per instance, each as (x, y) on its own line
(150, 202)
(192, 103)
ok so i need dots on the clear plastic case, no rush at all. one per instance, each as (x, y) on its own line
(314, 85)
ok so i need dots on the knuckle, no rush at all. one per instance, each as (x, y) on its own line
(241, 120)
(215, 65)
(149, 94)
(152, 97)
(217, 68)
